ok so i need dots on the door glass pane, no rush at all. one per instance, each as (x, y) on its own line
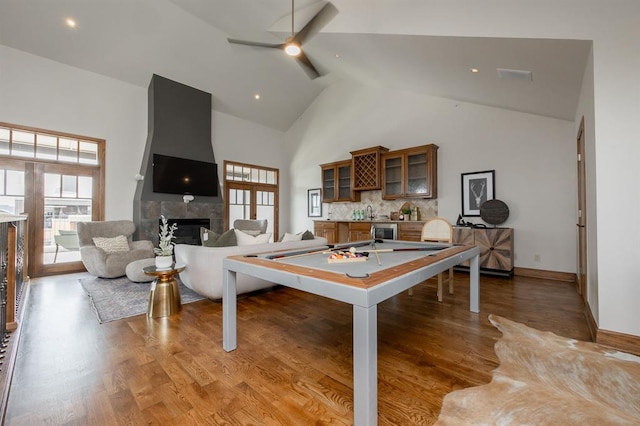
(265, 209)
(4, 141)
(69, 186)
(23, 144)
(15, 182)
(67, 202)
(12, 194)
(68, 150)
(47, 148)
(85, 186)
(239, 205)
(52, 185)
(88, 153)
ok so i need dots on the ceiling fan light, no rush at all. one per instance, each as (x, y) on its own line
(292, 49)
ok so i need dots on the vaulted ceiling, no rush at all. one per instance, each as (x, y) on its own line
(186, 41)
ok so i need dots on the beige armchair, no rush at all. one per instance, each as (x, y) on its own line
(111, 260)
(251, 227)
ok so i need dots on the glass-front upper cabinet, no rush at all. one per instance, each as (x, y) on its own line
(392, 172)
(410, 173)
(337, 183)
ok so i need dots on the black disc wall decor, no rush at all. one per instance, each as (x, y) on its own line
(494, 212)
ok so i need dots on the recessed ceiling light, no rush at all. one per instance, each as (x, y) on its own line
(475, 70)
(257, 96)
(337, 56)
(70, 22)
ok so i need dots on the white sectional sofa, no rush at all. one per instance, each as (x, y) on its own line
(203, 273)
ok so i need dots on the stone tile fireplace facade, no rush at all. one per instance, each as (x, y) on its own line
(148, 226)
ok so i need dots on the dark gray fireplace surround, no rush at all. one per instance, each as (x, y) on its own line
(179, 126)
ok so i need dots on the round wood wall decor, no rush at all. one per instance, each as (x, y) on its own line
(494, 212)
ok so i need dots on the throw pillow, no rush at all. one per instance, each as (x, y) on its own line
(227, 239)
(208, 237)
(112, 245)
(290, 237)
(245, 239)
(308, 235)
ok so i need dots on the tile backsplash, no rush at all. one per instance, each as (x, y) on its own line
(343, 211)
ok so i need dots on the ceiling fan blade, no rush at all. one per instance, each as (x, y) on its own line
(256, 43)
(307, 66)
(322, 18)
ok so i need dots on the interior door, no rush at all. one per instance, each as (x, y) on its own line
(582, 214)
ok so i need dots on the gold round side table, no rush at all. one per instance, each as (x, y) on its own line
(164, 296)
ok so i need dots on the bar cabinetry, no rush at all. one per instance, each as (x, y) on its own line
(337, 182)
(366, 168)
(359, 231)
(410, 231)
(328, 230)
(410, 173)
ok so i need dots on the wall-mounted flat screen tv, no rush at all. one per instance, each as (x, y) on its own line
(173, 175)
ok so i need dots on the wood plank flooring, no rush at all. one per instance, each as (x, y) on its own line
(293, 362)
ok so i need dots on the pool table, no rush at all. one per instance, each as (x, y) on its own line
(392, 267)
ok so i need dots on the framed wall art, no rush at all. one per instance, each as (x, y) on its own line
(314, 203)
(477, 187)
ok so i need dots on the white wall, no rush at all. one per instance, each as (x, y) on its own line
(41, 93)
(533, 158)
(239, 140)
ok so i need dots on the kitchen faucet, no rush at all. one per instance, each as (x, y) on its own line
(370, 212)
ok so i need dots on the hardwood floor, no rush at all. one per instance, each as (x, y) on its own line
(292, 365)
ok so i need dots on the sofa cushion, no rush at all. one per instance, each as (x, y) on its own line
(112, 245)
(308, 235)
(245, 239)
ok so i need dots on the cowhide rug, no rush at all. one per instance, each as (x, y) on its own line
(545, 379)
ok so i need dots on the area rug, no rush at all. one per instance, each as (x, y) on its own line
(118, 298)
(545, 379)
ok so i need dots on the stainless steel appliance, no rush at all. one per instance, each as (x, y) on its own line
(386, 231)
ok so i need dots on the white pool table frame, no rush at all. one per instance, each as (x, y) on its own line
(363, 293)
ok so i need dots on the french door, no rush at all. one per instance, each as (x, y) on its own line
(57, 179)
(251, 192)
(64, 196)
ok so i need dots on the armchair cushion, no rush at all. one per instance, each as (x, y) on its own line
(112, 245)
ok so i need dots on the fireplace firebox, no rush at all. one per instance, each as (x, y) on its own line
(188, 231)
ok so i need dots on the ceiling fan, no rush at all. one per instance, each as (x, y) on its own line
(292, 46)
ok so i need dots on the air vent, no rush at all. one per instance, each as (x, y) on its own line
(506, 74)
